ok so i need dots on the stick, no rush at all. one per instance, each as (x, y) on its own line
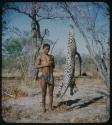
(8, 94)
(54, 45)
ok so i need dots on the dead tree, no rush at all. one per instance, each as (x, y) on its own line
(35, 39)
(34, 13)
(80, 62)
(104, 75)
(102, 63)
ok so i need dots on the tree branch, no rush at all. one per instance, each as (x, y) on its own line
(102, 74)
(18, 10)
(46, 18)
(8, 94)
(53, 46)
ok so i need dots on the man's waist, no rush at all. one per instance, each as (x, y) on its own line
(45, 74)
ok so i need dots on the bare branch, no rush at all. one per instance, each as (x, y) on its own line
(73, 17)
(54, 45)
(46, 18)
(18, 10)
(8, 94)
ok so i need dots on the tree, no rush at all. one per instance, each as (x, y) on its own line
(13, 56)
(37, 12)
(94, 35)
(89, 30)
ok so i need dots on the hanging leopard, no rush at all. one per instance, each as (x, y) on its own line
(68, 77)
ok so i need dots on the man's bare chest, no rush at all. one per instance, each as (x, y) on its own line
(45, 59)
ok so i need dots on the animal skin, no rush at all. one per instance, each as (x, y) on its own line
(70, 64)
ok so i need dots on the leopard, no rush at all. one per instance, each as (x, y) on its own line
(68, 76)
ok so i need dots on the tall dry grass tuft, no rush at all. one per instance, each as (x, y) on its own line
(94, 73)
(12, 93)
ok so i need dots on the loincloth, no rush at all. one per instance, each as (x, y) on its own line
(47, 79)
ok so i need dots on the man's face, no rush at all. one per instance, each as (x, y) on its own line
(46, 50)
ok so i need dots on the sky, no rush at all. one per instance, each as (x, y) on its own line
(58, 30)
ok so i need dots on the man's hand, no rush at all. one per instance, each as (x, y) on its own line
(42, 66)
(46, 65)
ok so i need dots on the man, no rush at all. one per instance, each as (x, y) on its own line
(46, 63)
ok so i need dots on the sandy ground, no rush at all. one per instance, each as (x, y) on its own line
(88, 105)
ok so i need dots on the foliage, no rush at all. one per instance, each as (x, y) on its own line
(12, 48)
(13, 57)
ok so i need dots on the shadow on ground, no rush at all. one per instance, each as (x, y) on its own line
(85, 104)
(73, 103)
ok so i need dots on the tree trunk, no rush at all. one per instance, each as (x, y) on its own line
(80, 62)
(102, 73)
(35, 40)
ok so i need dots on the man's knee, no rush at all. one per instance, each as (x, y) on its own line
(43, 92)
(50, 93)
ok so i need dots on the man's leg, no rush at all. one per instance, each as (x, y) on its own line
(51, 88)
(44, 89)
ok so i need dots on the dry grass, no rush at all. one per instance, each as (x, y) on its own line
(8, 73)
(94, 73)
(96, 119)
(14, 87)
(7, 111)
(15, 94)
(11, 86)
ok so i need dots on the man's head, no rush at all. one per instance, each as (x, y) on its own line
(46, 48)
